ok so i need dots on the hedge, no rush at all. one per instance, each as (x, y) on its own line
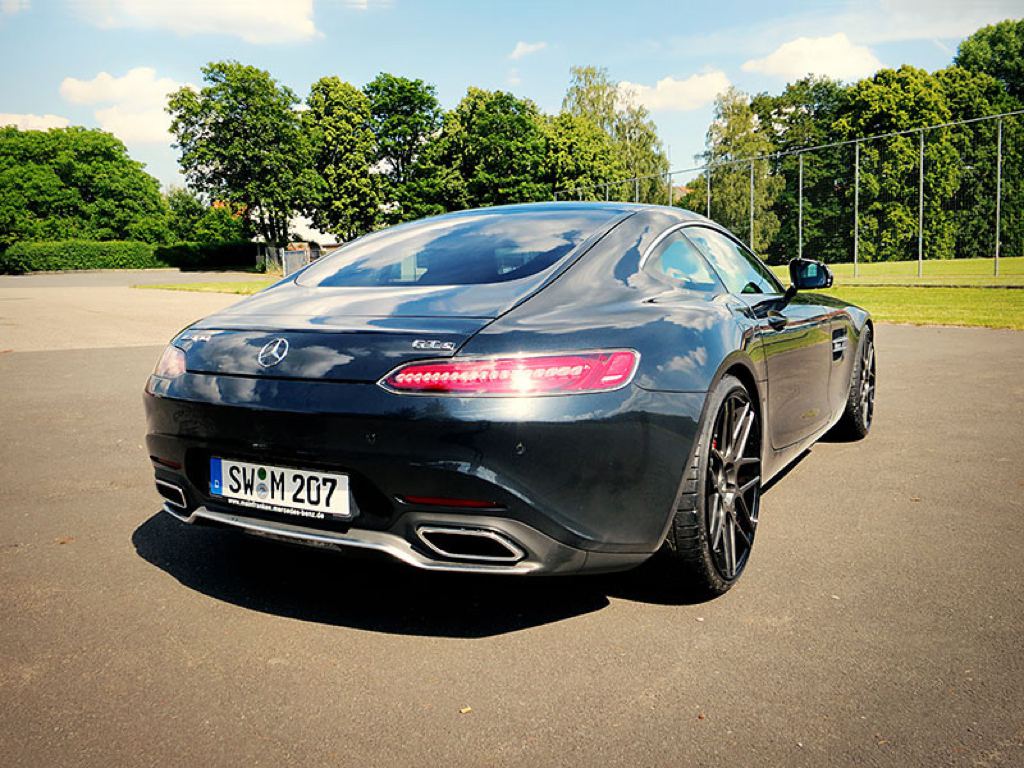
(236, 254)
(77, 254)
(123, 254)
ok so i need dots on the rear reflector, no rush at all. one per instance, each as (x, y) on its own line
(521, 375)
(443, 501)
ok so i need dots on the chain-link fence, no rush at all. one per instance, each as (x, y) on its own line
(950, 191)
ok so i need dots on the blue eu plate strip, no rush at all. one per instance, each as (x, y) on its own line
(215, 478)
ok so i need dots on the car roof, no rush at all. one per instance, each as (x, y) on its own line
(612, 207)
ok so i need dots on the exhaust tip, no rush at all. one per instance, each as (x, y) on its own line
(172, 493)
(479, 544)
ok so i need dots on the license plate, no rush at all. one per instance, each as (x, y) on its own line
(286, 490)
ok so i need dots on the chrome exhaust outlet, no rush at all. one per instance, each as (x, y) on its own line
(478, 544)
(172, 493)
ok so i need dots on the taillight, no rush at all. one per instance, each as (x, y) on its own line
(519, 375)
(171, 363)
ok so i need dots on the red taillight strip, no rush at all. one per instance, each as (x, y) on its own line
(566, 373)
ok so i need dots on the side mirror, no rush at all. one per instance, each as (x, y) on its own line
(809, 275)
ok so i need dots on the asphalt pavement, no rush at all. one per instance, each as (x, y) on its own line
(880, 621)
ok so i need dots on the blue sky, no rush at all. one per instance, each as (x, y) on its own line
(109, 63)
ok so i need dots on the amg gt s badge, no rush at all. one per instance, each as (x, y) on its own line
(447, 346)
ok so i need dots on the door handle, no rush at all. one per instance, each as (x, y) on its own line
(776, 321)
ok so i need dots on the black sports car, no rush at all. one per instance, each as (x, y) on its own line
(538, 388)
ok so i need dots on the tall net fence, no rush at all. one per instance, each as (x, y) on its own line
(946, 192)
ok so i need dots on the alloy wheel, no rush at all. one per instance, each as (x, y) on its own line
(867, 382)
(733, 484)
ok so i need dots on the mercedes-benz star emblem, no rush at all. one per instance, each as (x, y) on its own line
(273, 352)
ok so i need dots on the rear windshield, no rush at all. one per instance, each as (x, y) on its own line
(465, 249)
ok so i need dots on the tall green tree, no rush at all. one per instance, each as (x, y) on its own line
(75, 183)
(405, 115)
(889, 101)
(972, 206)
(997, 50)
(240, 141)
(594, 96)
(490, 151)
(803, 115)
(580, 155)
(733, 137)
(343, 196)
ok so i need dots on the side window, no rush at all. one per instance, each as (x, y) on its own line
(739, 269)
(677, 259)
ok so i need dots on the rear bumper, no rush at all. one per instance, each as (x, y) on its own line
(579, 482)
(540, 554)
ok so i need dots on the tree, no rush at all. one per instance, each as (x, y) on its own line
(581, 155)
(490, 151)
(184, 210)
(970, 94)
(803, 116)
(733, 137)
(193, 221)
(75, 183)
(405, 115)
(240, 142)
(997, 50)
(593, 95)
(343, 197)
(895, 100)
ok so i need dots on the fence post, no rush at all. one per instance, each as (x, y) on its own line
(920, 207)
(636, 190)
(751, 205)
(800, 208)
(856, 205)
(607, 192)
(709, 192)
(999, 187)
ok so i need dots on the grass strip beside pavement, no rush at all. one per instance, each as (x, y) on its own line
(244, 288)
(978, 307)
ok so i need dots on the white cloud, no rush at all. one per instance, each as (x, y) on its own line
(513, 77)
(29, 122)
(832, 56)
(255, 21)
(136, 102)
(11, 7)
(669, 94)
(525, 49)
(869, 22)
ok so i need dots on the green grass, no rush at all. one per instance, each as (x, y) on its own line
(959, 272)
(981, 307)
(244, 287)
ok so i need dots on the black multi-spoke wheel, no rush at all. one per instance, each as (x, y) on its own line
(712, 532)
(860, 403)
(733, 484)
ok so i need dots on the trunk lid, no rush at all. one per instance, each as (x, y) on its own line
(343, 334)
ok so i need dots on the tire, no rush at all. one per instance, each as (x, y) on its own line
(695, 554)
(855, 423)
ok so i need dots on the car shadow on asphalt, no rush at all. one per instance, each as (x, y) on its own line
(371, 592)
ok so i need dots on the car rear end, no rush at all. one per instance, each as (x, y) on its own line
(347, 408)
